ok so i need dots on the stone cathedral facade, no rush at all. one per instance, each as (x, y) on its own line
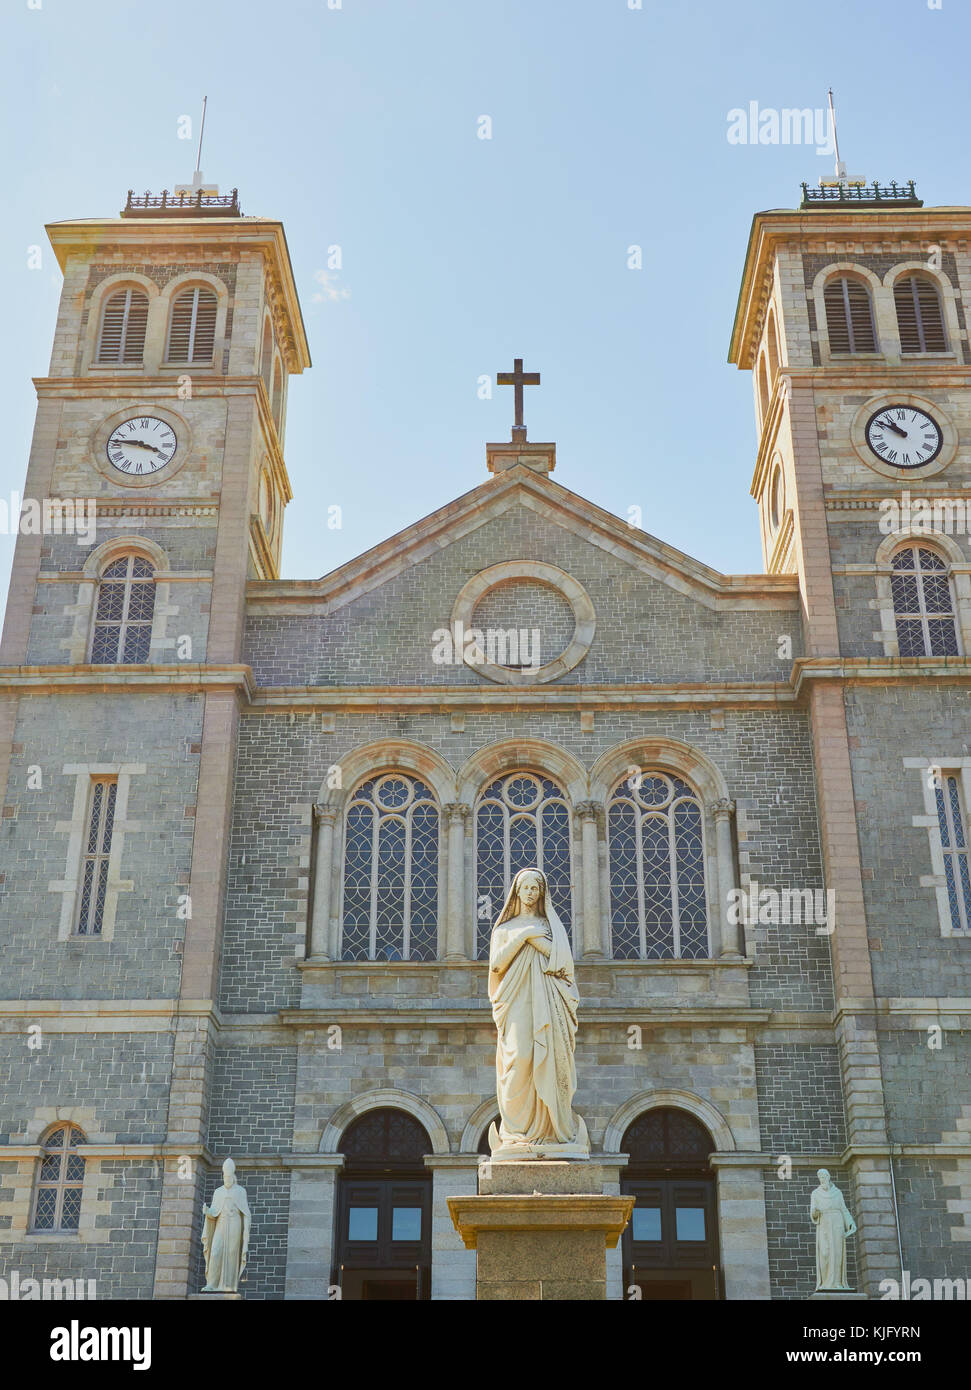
(254, 829)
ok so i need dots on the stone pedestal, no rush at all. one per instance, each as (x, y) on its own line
(840, 1295)
(541, 1230)
(216, 1296)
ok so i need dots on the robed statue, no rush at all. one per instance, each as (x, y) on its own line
(225, 1234)
(534, 1004)
(833, 1225)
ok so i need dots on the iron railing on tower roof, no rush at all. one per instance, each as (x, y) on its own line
(166, 204)
(861, 195)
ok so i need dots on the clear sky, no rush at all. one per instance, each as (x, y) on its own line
(358, 126)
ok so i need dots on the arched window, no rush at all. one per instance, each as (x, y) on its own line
(266, 354)
(655, 844)
(923, 605)
(60, 1176)
(277, 400)
(763, 390)
(192, 326)
(522, 819)
(121, 338)
(124, 611)
(849, 315)
(772, 345)
(951, 822)
(920, 317)
(390, 907)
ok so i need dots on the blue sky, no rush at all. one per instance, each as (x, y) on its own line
(358, 127)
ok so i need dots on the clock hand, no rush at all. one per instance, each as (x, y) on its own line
(889, 425)
(140, 444)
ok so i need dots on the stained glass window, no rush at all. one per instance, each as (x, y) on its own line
(96, 856)
(391, 871)
(522, 819)
(655, 839)
(60, 1176)
(954, 842)
(922, 604)
(124, 612)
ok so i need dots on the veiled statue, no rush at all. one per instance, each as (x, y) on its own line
(534, 1003)
(833, 1225)
(225, 1234)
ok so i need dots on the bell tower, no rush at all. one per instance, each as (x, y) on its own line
(157, 470)
(852, 317)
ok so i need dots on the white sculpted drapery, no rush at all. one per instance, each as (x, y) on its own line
(534, 1003)
(225, 1234)
(833, 1225)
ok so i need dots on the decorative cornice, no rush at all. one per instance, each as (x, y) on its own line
(188, 677)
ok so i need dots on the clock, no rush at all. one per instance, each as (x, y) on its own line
(141, 446)
(904, 436)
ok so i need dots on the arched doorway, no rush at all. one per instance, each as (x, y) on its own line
(671, 1242)
(384, 1209)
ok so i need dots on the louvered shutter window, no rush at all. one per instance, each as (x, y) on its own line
(123, 320)
(192, 329)
(919, 315)
(849, 318)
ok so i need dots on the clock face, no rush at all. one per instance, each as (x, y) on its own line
(141, 445)
(904, 436)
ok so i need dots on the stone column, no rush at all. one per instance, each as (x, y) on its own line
(310, 1239)
(725, 933)
(453, 1267)
(326, 818)
(456, 816)
(742, 1233)
(589, 814)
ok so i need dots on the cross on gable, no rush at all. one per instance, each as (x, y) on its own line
(517, 378)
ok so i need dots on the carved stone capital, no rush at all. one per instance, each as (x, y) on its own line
(589, 810)
(326, 815)
(457, 811)
(724, 808)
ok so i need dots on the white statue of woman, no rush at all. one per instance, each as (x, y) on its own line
(833, 1225)
(534, 1004)
(225, 1234)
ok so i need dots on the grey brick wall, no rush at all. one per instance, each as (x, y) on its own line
(124, 1077)
(909, 956)
(144, 958)
(800, 1098)
(252, 1100)
(281, 768)
(646, 631)
(124, 1266)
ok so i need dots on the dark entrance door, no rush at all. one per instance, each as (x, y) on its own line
(384, 1201)
(671, 1243)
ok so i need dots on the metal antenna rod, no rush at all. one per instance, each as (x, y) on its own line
(836, 143)
(202, 131)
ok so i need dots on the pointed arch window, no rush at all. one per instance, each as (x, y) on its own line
(952, 826)
(849, 315)
(124, 612)
(192, 326)
(920, 317)
(391, 871)
(522, 819)
(923, 604)
(121, 337)
(656, 851)
(60, 1177)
